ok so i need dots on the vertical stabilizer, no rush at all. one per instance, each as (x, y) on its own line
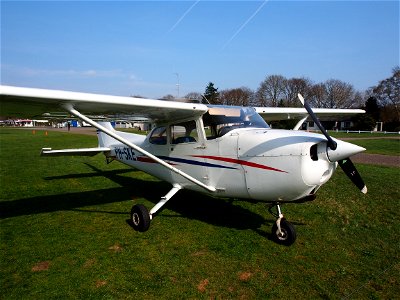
(106, 141)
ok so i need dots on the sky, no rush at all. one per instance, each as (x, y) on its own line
(156, 48)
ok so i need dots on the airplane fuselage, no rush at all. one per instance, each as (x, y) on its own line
(254, 163)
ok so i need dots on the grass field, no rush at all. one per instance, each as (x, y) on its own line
(64, 234)
(356, 135)
(377, 146)
(375, 143)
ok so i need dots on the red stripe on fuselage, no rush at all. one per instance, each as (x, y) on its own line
(239, 162)
(146, 159)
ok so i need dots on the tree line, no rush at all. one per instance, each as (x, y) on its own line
(381, 102)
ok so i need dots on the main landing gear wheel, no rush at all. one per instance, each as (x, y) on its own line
(140, 218)
(287, 235)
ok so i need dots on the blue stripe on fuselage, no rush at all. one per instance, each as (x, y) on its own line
(194, 162)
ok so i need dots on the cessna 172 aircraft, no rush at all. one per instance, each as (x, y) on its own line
(223, 151)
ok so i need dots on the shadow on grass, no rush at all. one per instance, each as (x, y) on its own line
(215, 211)
(73, 201)
(191, 205)
(69, 201)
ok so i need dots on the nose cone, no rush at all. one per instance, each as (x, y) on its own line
(343, 150)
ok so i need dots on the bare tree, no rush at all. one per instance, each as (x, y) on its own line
(168, 97)
(293, 87)
(388, 92)
(339, 94)
(358, 100)
(271, 90)
(317, 95)
(194, 96)
(239, 96)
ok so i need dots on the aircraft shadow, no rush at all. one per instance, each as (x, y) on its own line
(73, 201)
(87, 175)
(68, 201)
(191, 205)
(215, 211)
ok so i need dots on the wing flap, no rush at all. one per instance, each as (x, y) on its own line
(73, 152)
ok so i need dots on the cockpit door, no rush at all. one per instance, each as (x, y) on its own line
(186, 151)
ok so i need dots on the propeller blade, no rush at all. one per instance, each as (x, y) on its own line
(331, 143)
(351, 172)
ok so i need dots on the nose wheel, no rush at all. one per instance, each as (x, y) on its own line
(283, 232)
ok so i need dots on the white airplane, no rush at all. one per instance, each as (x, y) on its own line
(223, 151)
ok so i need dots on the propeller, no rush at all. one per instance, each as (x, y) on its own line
(340, 154)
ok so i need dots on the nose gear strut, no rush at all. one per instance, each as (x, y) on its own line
(283, 232)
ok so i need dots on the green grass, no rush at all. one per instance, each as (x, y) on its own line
(379, 146)
(375, 143)
(64, 234)
(133, 130)
(356, 135)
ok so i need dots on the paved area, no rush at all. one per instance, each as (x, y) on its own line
(78, 130)
(377, 159)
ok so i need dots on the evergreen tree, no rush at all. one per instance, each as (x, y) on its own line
(372, 108)
(211, 94)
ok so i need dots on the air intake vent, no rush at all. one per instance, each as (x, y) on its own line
(314, 152)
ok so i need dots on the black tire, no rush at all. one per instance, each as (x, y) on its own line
(288, 236)
(140, 218)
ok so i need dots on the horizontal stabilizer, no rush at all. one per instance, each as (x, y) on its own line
(73, 152)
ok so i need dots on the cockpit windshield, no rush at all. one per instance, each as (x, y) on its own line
(219, 120)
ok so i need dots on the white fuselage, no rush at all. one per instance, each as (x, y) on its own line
(260, 164)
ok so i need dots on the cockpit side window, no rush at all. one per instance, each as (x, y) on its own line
(159, 136)
(185, 132)
(219, 120)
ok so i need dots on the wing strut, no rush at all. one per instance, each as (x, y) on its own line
(298, 125)
(73, 111)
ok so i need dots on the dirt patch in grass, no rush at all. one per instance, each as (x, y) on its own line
(199, 253)
(89, 263)
(115, 248)
(201, 287)
(100, 283)
(245, 276)
(41, 266)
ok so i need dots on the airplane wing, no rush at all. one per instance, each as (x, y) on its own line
(286, 113)
(30, 102)
(18, 101)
